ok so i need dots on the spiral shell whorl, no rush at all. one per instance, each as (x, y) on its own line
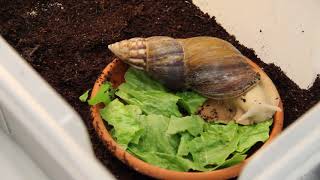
(160, 56)
(132, 51)
(216, 69)
(165, 61)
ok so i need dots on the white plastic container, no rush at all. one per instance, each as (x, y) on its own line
(15, 164)
(52, 135)
(42, 123)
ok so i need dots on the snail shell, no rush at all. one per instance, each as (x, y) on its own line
(209, 66)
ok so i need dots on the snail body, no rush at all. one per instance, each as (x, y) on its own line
(257, 105)
(210, 66)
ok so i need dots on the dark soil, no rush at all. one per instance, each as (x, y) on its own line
(65, 41)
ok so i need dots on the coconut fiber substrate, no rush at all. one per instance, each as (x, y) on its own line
(66, 42)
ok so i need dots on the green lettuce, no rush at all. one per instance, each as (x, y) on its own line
(183, 149)
(193, 124)
(250, 135)
(84, 96)
(151, 127)
(213, 147)
(140, 90)
(163, 160)
(235, 159)
(154, 138)
(104, 95)
(190, 101)
(151, 101)
(139, 80)
(125, 121)
(159, 148)
(218, 142)
(224, 131)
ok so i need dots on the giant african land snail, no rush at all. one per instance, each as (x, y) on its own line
(209, 66)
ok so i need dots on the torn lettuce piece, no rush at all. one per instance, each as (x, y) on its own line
(163, 160)
(190, 101)
(209, 150)
(104, 95)
(183, 149)
(150, 101)
(125, 121)
(193, 124)
(154, 138)
(84, 96)
(137, 136)
(139, 80)
(214, 146)
(151, 96)
(235, 159)
(251, 134)
(159, 148)
(224, 131)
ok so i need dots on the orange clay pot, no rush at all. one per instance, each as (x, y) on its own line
(114, 73)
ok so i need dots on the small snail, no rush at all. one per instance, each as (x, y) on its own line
(210, 66)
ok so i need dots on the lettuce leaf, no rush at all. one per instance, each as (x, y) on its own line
(193, 124)
(151, 102)
(250, 135)
(139, 80)
(181, 144)
(149, 95)
(214, 146)
(154, 138)
(183, 149)
(235, 159)
(104, 95)
(163, 160)
(159, 148)
(84, 96)
(125, 121)
(190, 101)
(224, 131)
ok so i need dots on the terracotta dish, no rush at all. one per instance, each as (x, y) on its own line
(114, 73)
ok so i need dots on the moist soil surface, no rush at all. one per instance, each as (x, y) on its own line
(65, 41)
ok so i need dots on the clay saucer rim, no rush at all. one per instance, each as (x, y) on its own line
(151, 170)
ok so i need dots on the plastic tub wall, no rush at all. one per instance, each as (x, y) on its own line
(15, 164)
(43, 124)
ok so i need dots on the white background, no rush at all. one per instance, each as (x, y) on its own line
(290, 31)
